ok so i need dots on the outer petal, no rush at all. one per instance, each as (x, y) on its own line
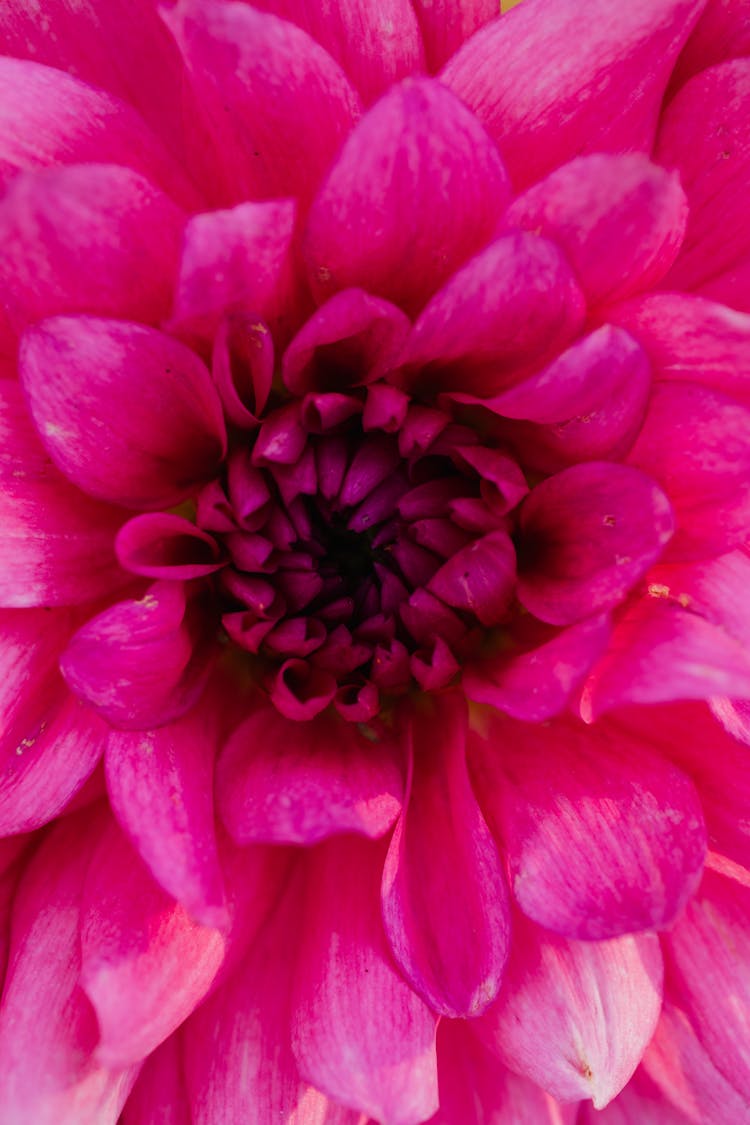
(640, 1103)
(85, 377)
(280, 781)
(359, 1032)
(145, 964)
(48, 117)
(597, 202)
(88, 238)
(375, 44)
(416, 189)
(586, 536)
(722, 32)
(575, 1017)
(603, 836)
(705, 136)
(56, 545)
(160, 786)
(558, 92)
(278, 105)
(159, 1096)
(513, 306)
(445, 899)
(49, 1075)
(445, 26)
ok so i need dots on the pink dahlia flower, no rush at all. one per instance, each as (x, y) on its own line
(374, 507)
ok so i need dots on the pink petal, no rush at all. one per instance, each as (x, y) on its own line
(160, 786)
(679, 1065)
(586, 536)
(145, 964)
(445, 899)
(722, 32)
(359, 1033)
(159, 1094)
(378, 220)
(277, 103)
(56, 545)
(480, 578)
(603, 836)
(159, 545)
(597, 202)
(515, 304)
(283, 782)
(350, 341)
(537, 683)
(141, 663)
(85, 377)
(48, 117)
(705, 136)
(702, 468)
(375, 44)
(236, 260)
(689, 339)
(575, 1017)
(558, 92)
(445, 26)
(88, 238)
(708, 953)
(476, 1090)
(640, 1103)
(242, 367)
(49, 1074)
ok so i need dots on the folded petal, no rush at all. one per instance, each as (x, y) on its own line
(141, 663)
(277, 104)
(445, 899)
(445, 26)
(280, 781)
(558, 92)
(160, 786)
(379, 220)
(479, 578)
(703, 466)
(49, 1074)
(359, 1033)
(603, 836)
(705, 137)
(145, 964)
(56, 545)
(160, 545)
(48, 117)
(513, 306)
(586, 536)
(575, 1017)
(84, 377)
(598, 202)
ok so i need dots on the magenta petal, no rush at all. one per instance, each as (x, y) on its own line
(446, 25)
(722, 32)
(85, 376)
(49, 1074)
(479, 578)
(559, 93)
(597, 202)
(515, 304)
(48, 117)
(91, 238)
(351, 340)
(603, 836)
(445, 899)
(586, 536)
(141, 663)
(707, 953)
(277, 103)
(159, 545)
(282, 782)
(705, 136)
(359, 1033)
(237, 260)
(378, 221)
(160, 786)
(145, 964)
(640, 1103)
(575, 1017)
(56, 545)
(703, 469)
(159, 1093)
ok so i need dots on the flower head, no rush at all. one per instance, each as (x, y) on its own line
(374, 514)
